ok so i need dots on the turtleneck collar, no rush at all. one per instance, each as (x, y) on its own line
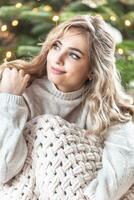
(63, 95)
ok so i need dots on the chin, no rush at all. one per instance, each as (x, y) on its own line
(54, 79)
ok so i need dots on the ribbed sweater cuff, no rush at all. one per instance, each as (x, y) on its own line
(11, 99)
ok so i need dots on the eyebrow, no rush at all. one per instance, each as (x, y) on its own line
(72, 48)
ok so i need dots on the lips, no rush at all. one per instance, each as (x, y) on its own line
(57, 70)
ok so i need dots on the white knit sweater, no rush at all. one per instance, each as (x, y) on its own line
(42, 97)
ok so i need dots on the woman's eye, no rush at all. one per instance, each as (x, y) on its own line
(74, 56)
(55, 46)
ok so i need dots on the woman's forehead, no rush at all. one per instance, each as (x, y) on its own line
(76, 37)
(75, 31)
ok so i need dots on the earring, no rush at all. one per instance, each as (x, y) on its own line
(90, 77)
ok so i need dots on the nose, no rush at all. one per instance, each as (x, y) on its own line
(60, 58)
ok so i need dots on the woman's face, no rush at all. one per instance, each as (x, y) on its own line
(68, 61)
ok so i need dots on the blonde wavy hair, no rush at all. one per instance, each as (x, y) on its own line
(106, 98)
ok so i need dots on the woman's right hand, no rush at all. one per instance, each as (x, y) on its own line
(13, 81)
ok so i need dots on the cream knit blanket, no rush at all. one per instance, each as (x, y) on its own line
(62, 159)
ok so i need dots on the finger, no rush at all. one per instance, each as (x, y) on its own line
(6, 71)
(21, 72)
(14, 70)
(26, 78)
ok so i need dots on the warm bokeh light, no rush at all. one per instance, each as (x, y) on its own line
(47, 8)
(15, 22)
(55, 18)
(18, 5)
(4, 28)
(113, 18)
(8, 54)
(127, 22)
(129, 58)
(120, 51)
(35, 10)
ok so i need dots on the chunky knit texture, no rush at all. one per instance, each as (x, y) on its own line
(62, 159)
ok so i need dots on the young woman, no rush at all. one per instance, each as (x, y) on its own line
(74, 76)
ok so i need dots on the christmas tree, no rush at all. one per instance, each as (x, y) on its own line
(25, 24)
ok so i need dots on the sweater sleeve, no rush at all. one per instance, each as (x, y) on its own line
(13, 149)
(117, 173)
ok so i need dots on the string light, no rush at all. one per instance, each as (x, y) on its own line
(4, 28)
(8, 54)
(55, 18)
(120, 51)
(47, 8)
(113, 18)
(15, 22)
(18, 5)
(127, 22)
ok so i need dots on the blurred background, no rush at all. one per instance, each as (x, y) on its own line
(25, 24)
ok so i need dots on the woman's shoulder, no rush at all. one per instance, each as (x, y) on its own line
(121, 134)
(123, 127)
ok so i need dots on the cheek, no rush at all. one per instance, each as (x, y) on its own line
(48, 56)
(49, 61)
(81, 68)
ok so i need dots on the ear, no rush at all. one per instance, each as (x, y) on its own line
(90, 75)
